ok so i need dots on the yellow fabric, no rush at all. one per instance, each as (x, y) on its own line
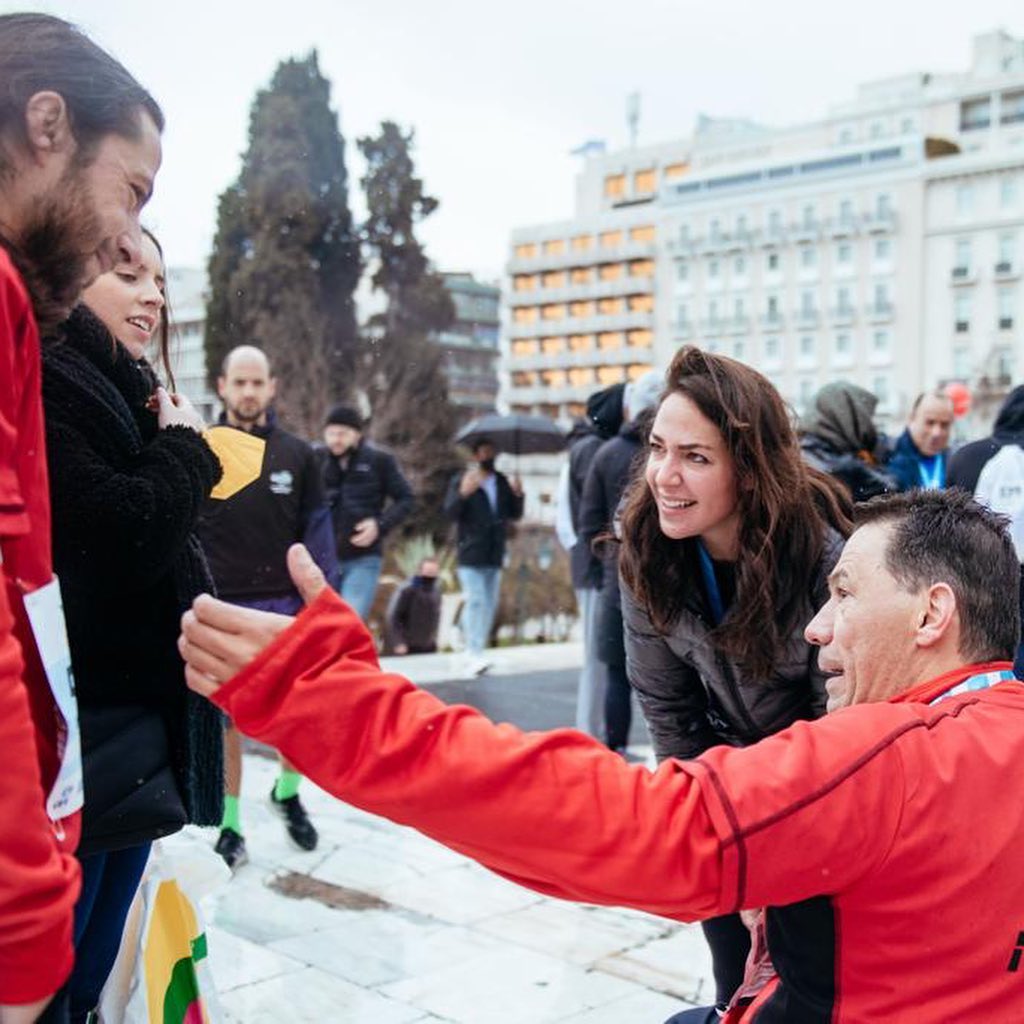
(241, 456)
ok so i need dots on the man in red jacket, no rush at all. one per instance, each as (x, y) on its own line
(79, 148)
(884, 839)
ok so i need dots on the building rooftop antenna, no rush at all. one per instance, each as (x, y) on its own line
(633, 117)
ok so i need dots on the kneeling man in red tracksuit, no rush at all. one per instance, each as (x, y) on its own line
(885, 839)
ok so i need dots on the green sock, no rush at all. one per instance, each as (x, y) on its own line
(287, 785)
(232, 815)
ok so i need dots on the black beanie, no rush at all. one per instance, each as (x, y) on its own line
(344, 416)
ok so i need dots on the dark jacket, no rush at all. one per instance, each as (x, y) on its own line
(413, 617)
(966, 464)
(126, 498)
(693, 697)
(481, 529)
(614, 466)
(247, 536)
(838, 436)
(604, 420)
(905, 462)
(357, 487)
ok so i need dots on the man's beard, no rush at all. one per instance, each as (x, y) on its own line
(53, 251)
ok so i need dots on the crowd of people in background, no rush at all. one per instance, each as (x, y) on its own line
(705, 526)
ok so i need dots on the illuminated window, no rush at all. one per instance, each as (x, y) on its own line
(609, 340)
(524, 347)
(524, 282)
(581, 275)
(581, 375)
(615, 186)
(553, 311)
(581, 243)
(644, 182)
(554, 246)
(524, 315)
(553, 378)
(640, 338)
(609, 271)
(637, 370)
(581, 342)
(552, 346)
(524, 378)
(641, 303)
(673, 171)
(554, 279)
(576, 409)
(526, 251)
(642, 234)
(609, 374)
(641, 268)
(610, 239)
(584, 307)
(609, 307)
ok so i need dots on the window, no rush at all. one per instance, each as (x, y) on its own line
(581, 243)
(881, 296)
(610, 239)
(610, 340)
(882, 250)
(641, 337)
(525, 347)
(1007, 190)
(880, 343)
(975, 114)
(554, 279)
(644, 182)
(524, 282)
(712, 269)
(741, 225)
(846, 136)
(641, 303)
(738, 309)
(772, 348)
(843, 303)
(877, 129)
(846, 211)
(581, 342)
(739, 266)
(1012, 107)
(554, 247)
(808, 257)
(713, 311)
(1007, 253)
(615, 186)
(1006, 308)
(880, 386)
(774, 221)
(580, 376)
(740, 349)
(672, 171)
(611, 306)
(1004, 362)
(962, 312)
(961, 362)
(807, 347)
(962, 257)
(684, 234)
(808, 216)
(906, 125)
(773, 307)
(843, 346)
(581, 307)
(714, 229)
(524, 315)
(773, 261)
(526, 251)
(806, 393)
(641, 268)
(964, 199)
(682, 314)
(844, 254)
(807, 302)
(581, 275)
(682, 271)
(609, 271)
(642, 234)
(552, 346)
(883, 205)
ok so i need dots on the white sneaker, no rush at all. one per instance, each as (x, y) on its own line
(479, 666)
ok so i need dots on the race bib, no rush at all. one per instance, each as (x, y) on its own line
(46, 616)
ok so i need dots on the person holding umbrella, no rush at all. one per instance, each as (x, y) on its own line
(482, 502)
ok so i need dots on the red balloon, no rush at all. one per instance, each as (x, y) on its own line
(960, 393)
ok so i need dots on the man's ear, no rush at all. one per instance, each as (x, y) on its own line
(47, 126)
(271, 387)
(939, 615)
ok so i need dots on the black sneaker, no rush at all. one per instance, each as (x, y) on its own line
(231, 846)
(296, 821)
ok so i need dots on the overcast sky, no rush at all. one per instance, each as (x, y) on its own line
(498, 93)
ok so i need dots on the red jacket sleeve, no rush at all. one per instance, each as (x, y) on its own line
(554, 811)
(38, 883)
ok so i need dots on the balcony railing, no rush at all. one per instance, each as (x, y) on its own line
(880, 221)
(962, 275)
(1005, 269)
(772, 321)
(876, 311)
(842, 314)
(806, 317)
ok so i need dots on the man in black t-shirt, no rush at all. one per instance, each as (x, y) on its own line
(245, 539)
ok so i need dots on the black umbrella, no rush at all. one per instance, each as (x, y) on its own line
(515, 433)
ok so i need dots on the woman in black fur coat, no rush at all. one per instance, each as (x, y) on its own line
(129, 471)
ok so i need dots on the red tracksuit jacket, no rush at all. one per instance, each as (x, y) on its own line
(887, 840)
(38, 872)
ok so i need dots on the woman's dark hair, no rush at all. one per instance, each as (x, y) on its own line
(40, 53)
(784, 506)
(165, 317)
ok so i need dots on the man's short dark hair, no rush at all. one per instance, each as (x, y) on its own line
(40, 53)
(948, 537)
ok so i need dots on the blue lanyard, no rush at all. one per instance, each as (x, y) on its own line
(982, 681)
(933, 478)
(707, 569)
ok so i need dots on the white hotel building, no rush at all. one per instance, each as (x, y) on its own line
(882, 244)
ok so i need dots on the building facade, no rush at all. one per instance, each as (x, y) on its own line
(186, 293)
(470, 345)
(880, 244)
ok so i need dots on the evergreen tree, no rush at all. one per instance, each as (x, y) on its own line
(286, 257)
(402, 372)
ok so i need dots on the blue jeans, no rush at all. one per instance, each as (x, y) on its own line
(109, 881)
(357, 582)
(481, 585)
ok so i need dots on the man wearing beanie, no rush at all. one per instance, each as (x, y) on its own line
(368, 496)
